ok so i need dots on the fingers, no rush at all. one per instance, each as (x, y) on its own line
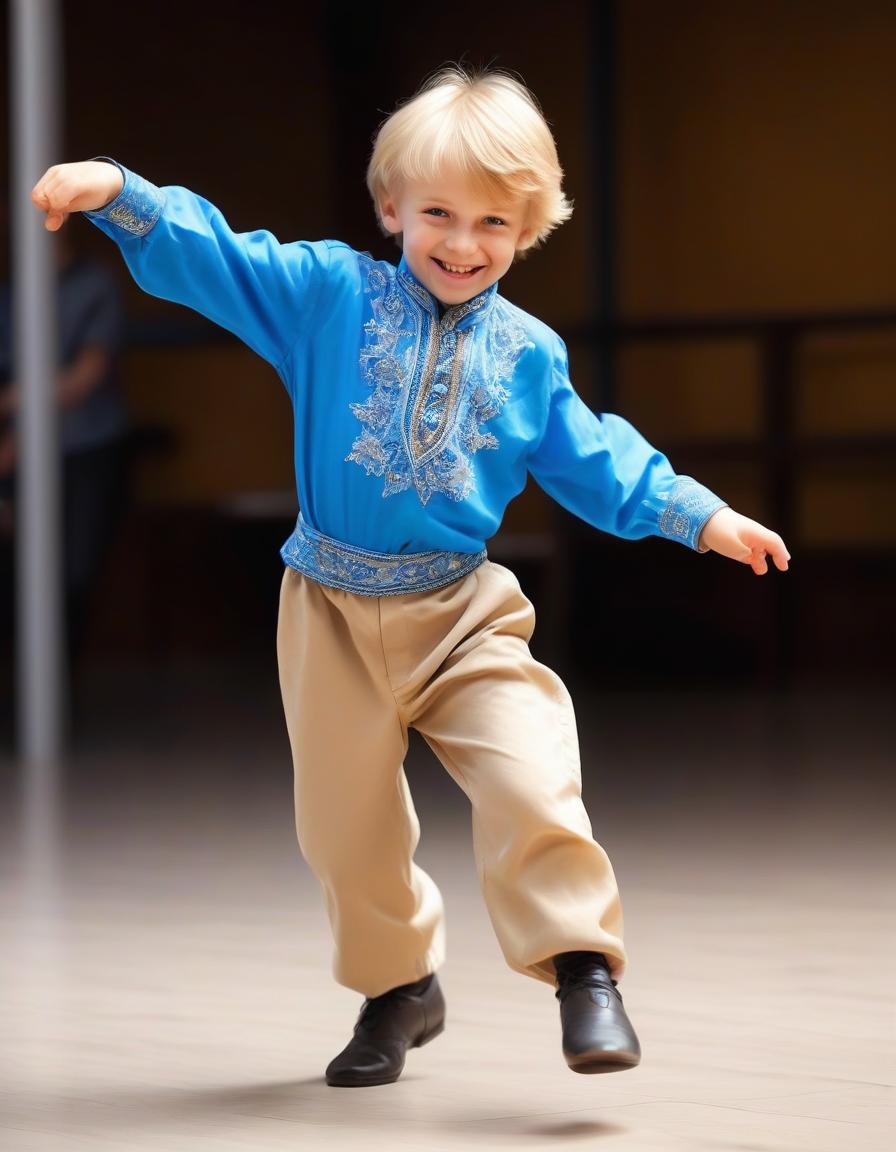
(42, 190)
(771, 546)
(759, 564)
(778, 552)
(55, 220)
(51, 195)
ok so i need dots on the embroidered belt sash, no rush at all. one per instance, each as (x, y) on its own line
(357, 570)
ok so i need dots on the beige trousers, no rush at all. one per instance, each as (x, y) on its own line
(356, 672)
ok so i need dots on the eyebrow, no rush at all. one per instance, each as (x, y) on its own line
(443, 200)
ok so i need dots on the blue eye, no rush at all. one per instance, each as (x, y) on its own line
(495, 219)
(426, 211)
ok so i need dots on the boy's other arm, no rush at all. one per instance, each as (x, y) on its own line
(178, 246)
(603, 470)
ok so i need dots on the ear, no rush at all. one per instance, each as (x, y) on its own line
(526, 238)
(389, 212)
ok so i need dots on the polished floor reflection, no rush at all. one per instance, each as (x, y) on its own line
(166, 957)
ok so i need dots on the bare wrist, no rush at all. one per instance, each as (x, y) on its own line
(112, 177)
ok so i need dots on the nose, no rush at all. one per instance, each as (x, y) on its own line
(461, 241)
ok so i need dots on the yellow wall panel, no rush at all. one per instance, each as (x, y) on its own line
(756, 170)
(693, 391)
(847, 384)
(229, 415)
(848, 504)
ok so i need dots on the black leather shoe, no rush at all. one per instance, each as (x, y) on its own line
(404, 1017)
(597, 1034)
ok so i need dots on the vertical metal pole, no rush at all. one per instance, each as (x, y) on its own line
(34, 68)
(34, 75)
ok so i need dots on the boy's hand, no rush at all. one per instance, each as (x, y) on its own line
(734, 536)
(81, 187)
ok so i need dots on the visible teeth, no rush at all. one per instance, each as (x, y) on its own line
(454, 268)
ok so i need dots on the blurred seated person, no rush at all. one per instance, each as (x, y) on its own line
(93, 427)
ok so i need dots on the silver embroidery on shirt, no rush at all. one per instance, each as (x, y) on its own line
(689, 505)
(433, 388)
(367, 573)
(136, 208)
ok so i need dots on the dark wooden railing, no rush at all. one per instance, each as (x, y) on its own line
(779, 448)
(778, 336)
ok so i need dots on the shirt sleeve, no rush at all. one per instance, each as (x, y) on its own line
(602, 469)
(179, 247)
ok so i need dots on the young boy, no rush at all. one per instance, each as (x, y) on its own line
(422, 400)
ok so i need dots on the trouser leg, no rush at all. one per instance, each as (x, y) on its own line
(503, 725)
(355, 820)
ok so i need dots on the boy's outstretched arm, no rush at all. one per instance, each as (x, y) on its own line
(738, 538)
(178, 246)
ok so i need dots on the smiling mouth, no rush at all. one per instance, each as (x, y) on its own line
(458, 271)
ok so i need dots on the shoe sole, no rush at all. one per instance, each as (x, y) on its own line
(375, 1081)
(369, 1083)
(591, 1065)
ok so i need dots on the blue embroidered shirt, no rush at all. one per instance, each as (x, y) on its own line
(414, 426)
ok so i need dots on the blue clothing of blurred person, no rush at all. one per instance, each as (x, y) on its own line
(93, 428)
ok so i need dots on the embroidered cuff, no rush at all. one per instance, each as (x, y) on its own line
(137, 206)
(687, 507)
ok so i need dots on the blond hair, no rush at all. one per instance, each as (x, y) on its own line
(487, 126)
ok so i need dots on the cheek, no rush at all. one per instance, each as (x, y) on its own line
(416, 232)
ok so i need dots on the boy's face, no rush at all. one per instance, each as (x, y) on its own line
(450, 224)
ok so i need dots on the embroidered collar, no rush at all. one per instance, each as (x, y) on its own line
(466, 314)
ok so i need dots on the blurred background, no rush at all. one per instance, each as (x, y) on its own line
(727, 283)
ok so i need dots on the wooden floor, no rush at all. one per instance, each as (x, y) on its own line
(166, 958)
